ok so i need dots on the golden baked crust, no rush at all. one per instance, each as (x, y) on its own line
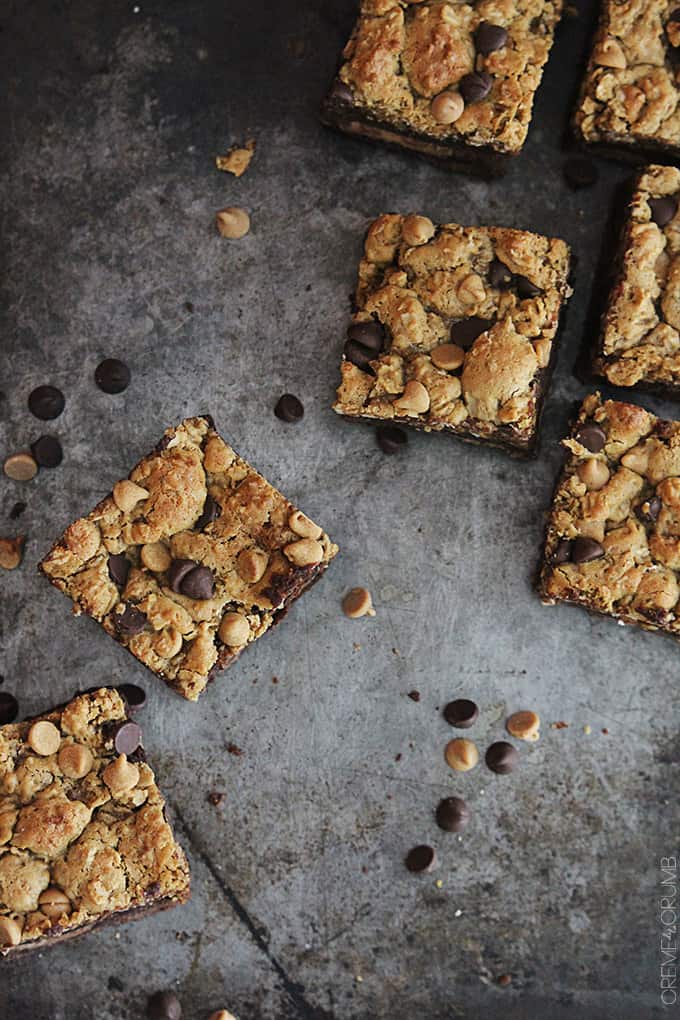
(421, 293)
(624, 500)
(101, 849)
(192, 502)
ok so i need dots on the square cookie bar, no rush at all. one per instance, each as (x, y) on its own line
(613, 538)
(639, 342)
(454, 329)
(190, 559)
(630, 92)
(83, 836)
(455, 81)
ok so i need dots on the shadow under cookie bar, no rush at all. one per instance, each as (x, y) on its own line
(612, 533)
(85, 840)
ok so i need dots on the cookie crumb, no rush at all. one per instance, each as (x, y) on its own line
(11, 552)
(559, 725)
(504, 980)
(587, 729)
(215, 798)
(238, 158)
(414, 695)
(235, 750)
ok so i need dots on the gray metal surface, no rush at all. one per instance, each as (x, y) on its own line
(110, 127)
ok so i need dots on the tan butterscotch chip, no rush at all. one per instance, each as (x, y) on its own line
(417, 230)
(233, 222)
(126, 495)
(234, 630)
(251, 564)
(10, 932)
(121, 775)
(156, 557)
(54, 903)
(610, 54)
(304, 553)
(461, 754)
(302, 525)
(414, 400)
(75, 760)
(223, 1014)
(471, 289)
(20, 467)
(447, 107)
(357, 603)
(593, 473)
(523, 725)
(448, 357)
(44, 737)
(11, 552)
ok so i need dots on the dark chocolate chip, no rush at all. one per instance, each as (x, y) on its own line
(591, 436)
(580, 172)
(391, 439)
(586, 549)
(525, 288)
(127, 739)
(9, 708)
(368, 334)
(490, 37)
(177, 572)
(452, 814)
(499, 275)
(119, 568)
(461, 713)
(421, 858)
(663, 429)
(501, 757)
(288, 408)
(340, 93)
(134, 696)
(112, 376)
(562, 552)
(475, 86)
(130, 622)
(211, 511)
(198, 584)
(648, 510)
(465, 332)
(674, 15)
(46, 402)
(663, 209)
(164, 1006)
(47, 452)
(17, 510)
(359, 355)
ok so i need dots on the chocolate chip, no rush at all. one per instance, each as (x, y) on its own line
(452, 814)
(368, 334)
(112, 375)
(391, 439)
(127, 738)
(501, 757)
(130, 622)
(421, 858)
(490, 37)
(525, 288)
(499, 275)
(178, 571)
(288, 408)
(47, 452)
(591, 436)
(119, 568)
(461, 713)
(359, 355)
(586, 549)
(46, 402)
(211, 511)
(134, 696)
(414, 695)
(562, 552)
(674, 15)
(164, 1006)
(198, 584)
(663, 209)
(465, 332)
(340, 93)
(648, 510)
(580, 172)
(475, 86)
(17, 510)
(9, 708)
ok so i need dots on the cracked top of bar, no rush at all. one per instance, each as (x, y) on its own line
(403, 55)
(461, 325)
(191, 558)
(83, 834)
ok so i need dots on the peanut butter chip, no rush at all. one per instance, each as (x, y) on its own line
(304, 553)
(414, 400)
(610, 54)
(471, 289)
(222, 1014)
(233, 222)
(75, 760)
(126, 495)
(449, 357)
(11, 552)
(251, 564)
(593, 473)
(417, 230)
(10, 932)
(447, 107)
(21, 467)
(54, 903)
(121, 775)
(234, 630)
(358, 602)
(44, 737)
(461, 754)
(302, 525)
(155, 557)
(523, 725)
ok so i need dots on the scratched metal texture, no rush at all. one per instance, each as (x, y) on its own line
(302, 909)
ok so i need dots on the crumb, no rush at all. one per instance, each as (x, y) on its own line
(275, 679)
(439, 883)
(189, 306)
(182, 936)
(587, 729)
(234, 749)
(356, 647)
(395, 651)
(17, 511)
(238, 158)
(414, 695)
(215, 798)
(397, 757)
(364, 869)
(606, 732)
(504, 980)
(359, 978)
(559, 725)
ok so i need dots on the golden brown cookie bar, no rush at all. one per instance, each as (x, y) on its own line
(190, 559)
(630, 92)
(455, 329)
(613, 538)
(639, 342)
(455, 81)
(84, 839)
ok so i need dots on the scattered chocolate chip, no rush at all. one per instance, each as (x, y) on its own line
(525, 288)
(663, 209)
(465, 332)
(178, 571)
(288, 408)
(585, 549)
(368, 334)
(358, 355)
(452, 814)
(504, 980)
(580, 172)
(391, 439)
(562, 552)
(9, 708)
(112, 375)
(591, 436)
(128, 738)
(475, 86)
(199, 583)
(499, 275)
(134, 696)
(46, 402)
(340, 93)
(421, 858)
(17, 510)
(215, 798)
(47, 452)
(501, 757)
(648, 511)
(130, 622)
(211, 511)
(490, 37)
(414, 695)
(235, 750)
(119, 568)
(674, 15)
(189, 307)
(461, 713)
(164, 1006)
